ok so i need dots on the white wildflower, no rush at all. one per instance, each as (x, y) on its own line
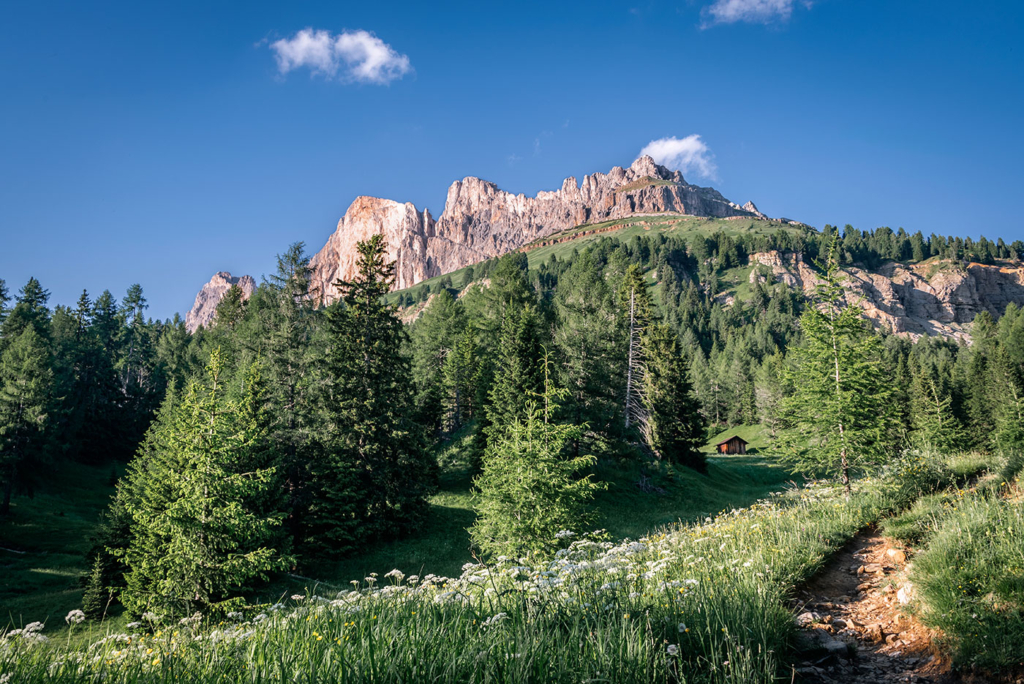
(297, 597)
(75, 617)
(673, 650)
(494, 620)
(33, 627)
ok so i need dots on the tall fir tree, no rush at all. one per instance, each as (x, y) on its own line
(371, 408)
(518, 373)
(590, 367)
(671, 424)
(25, 384)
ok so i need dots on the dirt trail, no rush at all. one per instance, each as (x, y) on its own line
(853, 629)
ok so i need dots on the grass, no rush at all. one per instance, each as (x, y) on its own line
(639, 499)
(700, 602)
(753, 435)
(970, 577)
(44, 541)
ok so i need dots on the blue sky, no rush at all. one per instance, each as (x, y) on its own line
(161, 142)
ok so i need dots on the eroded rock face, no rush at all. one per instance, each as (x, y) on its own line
(205, 306)
(920, 299)
(481, 221)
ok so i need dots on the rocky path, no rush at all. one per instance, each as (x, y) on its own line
(853, 628)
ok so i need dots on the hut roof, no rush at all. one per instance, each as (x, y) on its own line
(726, 441)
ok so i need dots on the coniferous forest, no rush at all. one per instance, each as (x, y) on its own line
(287, 436)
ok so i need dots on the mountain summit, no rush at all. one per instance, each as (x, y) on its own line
(481, 221)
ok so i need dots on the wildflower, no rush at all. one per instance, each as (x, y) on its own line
(673, 650)
(563, 534)
(75, 617)
(150, 617)
(494, 620)
(234, 615)
(397, 574)
(370, 580)
(297, 597)
(683, 628)
(33, 627)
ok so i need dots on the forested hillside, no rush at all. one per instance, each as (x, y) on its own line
(286, 436)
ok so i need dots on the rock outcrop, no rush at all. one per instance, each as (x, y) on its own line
(934, 298)
(480, 220)
(205, 306)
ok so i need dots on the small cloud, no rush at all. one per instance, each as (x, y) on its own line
(566, 124)
(512, 159)
(751, 11)
(536, 146)
(689, 155)
(350, 56)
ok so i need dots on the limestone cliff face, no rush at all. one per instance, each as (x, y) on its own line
(405, 230)
(205, 306)
(920, 299)
(480, 220)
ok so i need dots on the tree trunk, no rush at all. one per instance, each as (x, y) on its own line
(629, 362)
(5, 507)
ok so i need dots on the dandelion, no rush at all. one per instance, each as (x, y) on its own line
(673, 650)
(683, 628)
(75, 617)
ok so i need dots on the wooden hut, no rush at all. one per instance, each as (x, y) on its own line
(733, 445)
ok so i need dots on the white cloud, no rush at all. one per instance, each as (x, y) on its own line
(350, 56)
(689, 155)
(752, 11)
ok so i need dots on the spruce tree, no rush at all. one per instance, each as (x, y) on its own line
(531, 488)
(590, 367)
(837, 417)
(370, 404)
(518, 373)
(671, 425)
(96, 597)
(935, 426)
(25, 384)
(210, 527)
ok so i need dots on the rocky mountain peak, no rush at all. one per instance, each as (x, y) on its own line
(480, 221)
(205, 306)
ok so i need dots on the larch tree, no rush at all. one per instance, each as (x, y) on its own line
(837, 417)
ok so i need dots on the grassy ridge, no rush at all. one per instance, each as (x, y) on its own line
(628, 228)
(696, 603)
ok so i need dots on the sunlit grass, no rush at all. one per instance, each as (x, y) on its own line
(702, 602)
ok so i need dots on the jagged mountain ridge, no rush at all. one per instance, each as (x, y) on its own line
(481, 221)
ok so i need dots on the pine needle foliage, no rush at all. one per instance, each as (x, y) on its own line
(530, 489)
(838, 415)
(208, 526)
(370, 405)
